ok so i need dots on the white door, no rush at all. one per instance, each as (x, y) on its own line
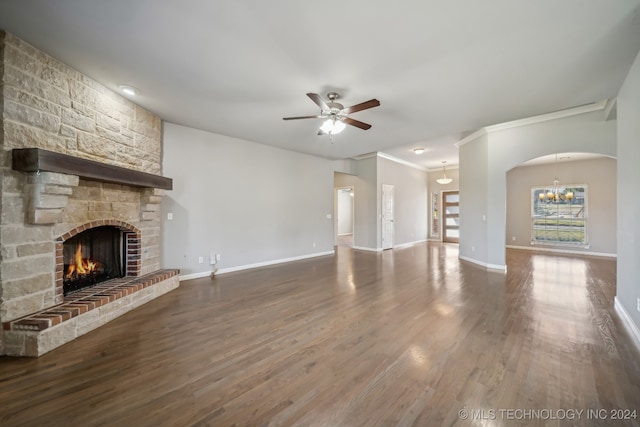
(387, 216)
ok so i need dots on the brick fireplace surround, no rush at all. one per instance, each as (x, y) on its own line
(50, 106)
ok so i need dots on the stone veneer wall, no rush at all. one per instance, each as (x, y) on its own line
(46, 104)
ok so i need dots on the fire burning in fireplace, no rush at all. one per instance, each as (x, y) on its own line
(93, 256)
(79, 267)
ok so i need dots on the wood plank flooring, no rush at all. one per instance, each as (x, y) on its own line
(410, 336)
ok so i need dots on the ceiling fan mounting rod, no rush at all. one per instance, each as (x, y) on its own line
(334, 107)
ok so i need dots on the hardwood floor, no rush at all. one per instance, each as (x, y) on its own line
(411, 336)
(345, 240)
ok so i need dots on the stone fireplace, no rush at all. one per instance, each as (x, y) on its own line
(77, 162)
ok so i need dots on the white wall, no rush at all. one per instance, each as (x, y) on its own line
(599, 175)
(410, 198)
(249, 202)
(365, 230)
(628, 286)
(363, 201)
(473, 172)
(485, 161)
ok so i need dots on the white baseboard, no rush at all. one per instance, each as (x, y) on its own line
(561, 251)
(195, 275)
(406, 245)
(628, 322)
(256, 265)
(497, 267)
(362, 248)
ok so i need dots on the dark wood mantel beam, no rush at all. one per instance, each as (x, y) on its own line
(37, 159)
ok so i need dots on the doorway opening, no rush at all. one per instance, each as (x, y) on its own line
(344, 216)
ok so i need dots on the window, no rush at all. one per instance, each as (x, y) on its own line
(559, 215)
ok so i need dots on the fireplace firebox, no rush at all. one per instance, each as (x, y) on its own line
(93, 256)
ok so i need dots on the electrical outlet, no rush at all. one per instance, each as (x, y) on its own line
(217, 257)
(200, 260)
(513, 238)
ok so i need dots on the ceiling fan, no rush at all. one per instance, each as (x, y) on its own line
(336, 114)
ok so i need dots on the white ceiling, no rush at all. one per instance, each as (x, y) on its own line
(441, 69)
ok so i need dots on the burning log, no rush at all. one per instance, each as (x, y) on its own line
(80, 266)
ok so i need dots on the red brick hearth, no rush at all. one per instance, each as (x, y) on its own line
(45, 330)
(86, 300)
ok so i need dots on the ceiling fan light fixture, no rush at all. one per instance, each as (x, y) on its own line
(418, 151)
(332, 126)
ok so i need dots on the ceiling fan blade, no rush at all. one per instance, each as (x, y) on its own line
(321, 132)
(356, 123)
(362, 106)
(302, 117)
(318, 100)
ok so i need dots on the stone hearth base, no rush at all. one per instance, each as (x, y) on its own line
(84, 311)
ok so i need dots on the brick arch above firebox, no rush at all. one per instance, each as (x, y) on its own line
(133, 254)
(122, 225)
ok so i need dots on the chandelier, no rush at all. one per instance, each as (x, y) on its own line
(554, 194)
(444, 180)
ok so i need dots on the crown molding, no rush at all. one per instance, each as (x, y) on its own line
(388, 157)
(611, 110)
(403, 162)
(365, 156)
(439, 168)
(583, 109)
(475, 135)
